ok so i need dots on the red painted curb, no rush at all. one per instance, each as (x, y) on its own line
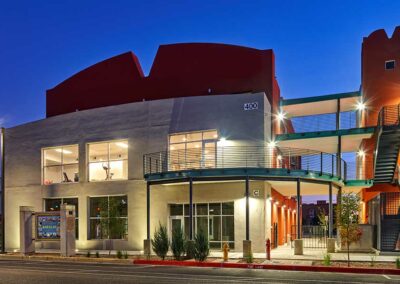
(270, 266)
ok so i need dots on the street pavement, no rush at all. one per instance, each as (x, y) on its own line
(35, 272)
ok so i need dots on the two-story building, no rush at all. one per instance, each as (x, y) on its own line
(205, 142)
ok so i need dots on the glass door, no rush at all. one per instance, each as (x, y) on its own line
(175, 222)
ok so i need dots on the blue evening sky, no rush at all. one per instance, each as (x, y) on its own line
(317, 43)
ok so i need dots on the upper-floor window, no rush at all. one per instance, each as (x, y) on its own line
(108, 160)
(390, 64)
(60, 164)
(192, 150)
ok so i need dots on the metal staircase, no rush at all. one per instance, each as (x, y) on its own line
(387, 144)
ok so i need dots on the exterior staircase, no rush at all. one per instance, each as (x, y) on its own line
(388, 145)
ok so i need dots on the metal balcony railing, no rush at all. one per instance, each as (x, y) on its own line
(389, 116)
(244, 157)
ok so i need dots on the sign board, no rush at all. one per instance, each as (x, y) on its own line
(250, 106)
(48, 226)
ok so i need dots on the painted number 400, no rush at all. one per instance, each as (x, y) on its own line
(250, 106)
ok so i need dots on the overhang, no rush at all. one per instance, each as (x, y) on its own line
(320, 104)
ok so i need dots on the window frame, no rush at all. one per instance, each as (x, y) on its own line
(108, 214)
(108, 142)
(185, 142)
(389, 61)
(60, 165)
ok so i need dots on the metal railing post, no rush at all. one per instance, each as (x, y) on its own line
(321, 161)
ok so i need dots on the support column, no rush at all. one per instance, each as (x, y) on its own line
(27, 243)
(338, 157)
(298, 242)
(247, 211)
(190, 209)
(298, 210)
(147, 242)
(330, 233)
(247, 251)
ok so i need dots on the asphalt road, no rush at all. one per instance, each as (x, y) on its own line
(33, 272)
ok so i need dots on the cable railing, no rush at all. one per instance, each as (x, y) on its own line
(323, 122)
(230, 157)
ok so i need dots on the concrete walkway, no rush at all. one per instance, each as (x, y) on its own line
(280, 253)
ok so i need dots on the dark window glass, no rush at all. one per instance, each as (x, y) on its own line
(202, 209)
(215, 209)
(228, 228)
(176, 210)
(118, 206)
(97, 205)
(390, 64)
(52, 204)
(227, 208)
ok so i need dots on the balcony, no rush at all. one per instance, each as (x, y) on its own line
(244, 160)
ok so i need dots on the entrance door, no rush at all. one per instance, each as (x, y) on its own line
(175, 222)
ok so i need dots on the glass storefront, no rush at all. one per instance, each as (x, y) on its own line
(217, 219)
(54, 204)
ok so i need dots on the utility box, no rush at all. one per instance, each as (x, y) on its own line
(67, 230)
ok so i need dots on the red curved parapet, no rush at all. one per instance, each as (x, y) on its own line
(179, 70)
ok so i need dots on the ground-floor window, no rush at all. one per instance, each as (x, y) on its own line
(108, 217)
(54, 204)
(216, 219)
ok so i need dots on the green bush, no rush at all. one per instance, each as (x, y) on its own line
(249, 258)
(201, 246)
(189, 248)
(160, 242)
(327, 259)
(97, 254)
(178, 243)
(125, 255)
(88, 253)
(398, 263)
(119, 254)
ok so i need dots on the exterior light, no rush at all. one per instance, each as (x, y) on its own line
(279, 157)
(284, 206)
(222, 141)
(272, 144)
(361, 153)
(172, 148)
(360, 106)
(281, 116)
(215, 136)
(276, 202)
(270, 198)
(122, 144)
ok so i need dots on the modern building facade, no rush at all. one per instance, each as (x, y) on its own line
(206, 142)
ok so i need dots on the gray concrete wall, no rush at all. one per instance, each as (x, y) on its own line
(146, 125)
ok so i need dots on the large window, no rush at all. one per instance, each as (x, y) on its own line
(108, 217)
(215, 219)
(192, 150)
(108, 160)
(60, 164)
(54, 204)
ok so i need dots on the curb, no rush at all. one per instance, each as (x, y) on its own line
(269, 266)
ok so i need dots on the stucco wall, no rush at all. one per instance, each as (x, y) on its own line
(146, 125)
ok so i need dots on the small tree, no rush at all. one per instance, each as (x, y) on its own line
(201, 246)
(347, 219)
(112, 225)
(178, 243)
(160, 242)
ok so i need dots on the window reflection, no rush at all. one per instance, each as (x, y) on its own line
(108, 160)
(192, 150)
(61, 164)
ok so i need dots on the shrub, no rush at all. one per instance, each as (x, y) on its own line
(160, 242)
(373, 258)
(249, 258)
(119, 254)
(398, 263)
(88, 253)
(125, 255)
(189, 248)
(201, 246)
(327, 259)
(178, 243)
(97, 254)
